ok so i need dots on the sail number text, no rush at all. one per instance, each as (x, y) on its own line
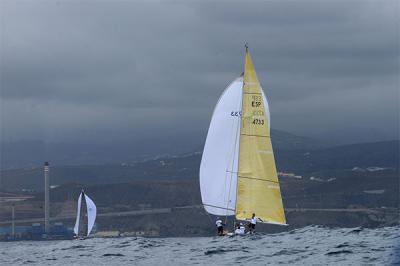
(233, 113)
(257, 121)
(256, 101)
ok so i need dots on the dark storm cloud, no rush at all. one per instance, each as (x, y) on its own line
(75, 69)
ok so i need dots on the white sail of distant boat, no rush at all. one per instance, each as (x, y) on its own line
(86, 215)
(237, 172)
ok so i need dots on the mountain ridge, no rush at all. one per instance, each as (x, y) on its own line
(301, 161)
(31, 153)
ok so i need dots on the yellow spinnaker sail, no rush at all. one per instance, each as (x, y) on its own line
(258, 188)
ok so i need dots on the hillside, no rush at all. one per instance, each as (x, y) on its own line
(32, 153)
(382, 154)
(359, 182)
(308, 162)
(305, 201)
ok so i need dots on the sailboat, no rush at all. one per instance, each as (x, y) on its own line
(237, 172)
(86, 216)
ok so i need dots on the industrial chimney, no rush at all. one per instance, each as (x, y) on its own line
(46, 198)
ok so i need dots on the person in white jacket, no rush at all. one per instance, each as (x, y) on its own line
(240, 230)
(253, 222)
(220, 226)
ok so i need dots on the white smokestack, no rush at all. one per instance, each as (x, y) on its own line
(46, 198)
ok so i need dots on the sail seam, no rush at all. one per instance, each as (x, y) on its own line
(218, 207)
(258, 93)
(251, 135)
(267, 180)
(233, 172)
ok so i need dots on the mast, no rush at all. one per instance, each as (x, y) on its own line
(240, 132)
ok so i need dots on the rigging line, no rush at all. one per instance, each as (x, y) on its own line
(228, 159)
(240, 131)
(231, 170)
(237, 147)
(233, 159)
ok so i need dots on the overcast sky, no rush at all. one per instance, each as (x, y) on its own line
(104, 70)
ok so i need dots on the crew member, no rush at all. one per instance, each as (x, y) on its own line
(242, 229)
(220, 226)
(253, 222)
(237, 230)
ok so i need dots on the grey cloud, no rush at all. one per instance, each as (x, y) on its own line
(133, 67)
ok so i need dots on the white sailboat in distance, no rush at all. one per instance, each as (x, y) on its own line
(85, 217)
(237, 172)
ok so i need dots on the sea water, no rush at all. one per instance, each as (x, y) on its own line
(312, 245)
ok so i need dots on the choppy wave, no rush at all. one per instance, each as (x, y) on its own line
(312, 245)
